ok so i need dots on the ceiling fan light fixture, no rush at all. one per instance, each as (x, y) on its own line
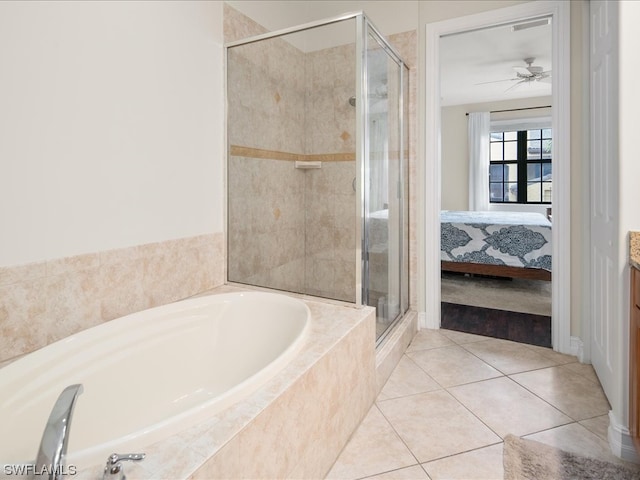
(535, 23)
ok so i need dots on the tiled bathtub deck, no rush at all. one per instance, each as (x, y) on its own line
(454, 396)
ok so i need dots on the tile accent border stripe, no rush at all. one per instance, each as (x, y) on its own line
(240, 151)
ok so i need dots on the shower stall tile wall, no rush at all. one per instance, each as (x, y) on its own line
(46, 301)
(340, 230)
(287, 105)
(275, 224)
(330, 222)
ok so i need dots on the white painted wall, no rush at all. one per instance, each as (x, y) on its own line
(629, 193)
(629, 99)
(111, 125)
(455, 148)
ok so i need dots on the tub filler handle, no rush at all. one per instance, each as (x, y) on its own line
(114, 469)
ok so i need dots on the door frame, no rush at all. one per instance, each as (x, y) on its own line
(561, 112)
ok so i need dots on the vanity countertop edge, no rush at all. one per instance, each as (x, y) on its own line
(634, 249)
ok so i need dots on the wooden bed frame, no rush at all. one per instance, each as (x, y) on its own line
(496, 270)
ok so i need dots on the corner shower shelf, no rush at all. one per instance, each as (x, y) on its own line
(307, 165)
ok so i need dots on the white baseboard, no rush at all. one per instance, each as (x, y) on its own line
(426, 322)
(620, 441)
(577, 348)
(422, 320)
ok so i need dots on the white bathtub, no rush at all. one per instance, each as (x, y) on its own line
(150, 374)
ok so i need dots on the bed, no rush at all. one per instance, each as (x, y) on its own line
(501, 244)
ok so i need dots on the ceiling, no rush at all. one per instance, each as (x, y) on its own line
(390, 16)
(489, 55)
(467, 59)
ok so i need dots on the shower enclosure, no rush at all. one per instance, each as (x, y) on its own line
(317, 164)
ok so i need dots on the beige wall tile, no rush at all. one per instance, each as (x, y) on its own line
(73, 303)
(122, 289)
(22, 273)
(23, 309)
(76, 263)
(52, 300)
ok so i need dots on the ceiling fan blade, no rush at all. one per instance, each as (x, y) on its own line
(523, 71)
(498, 81)
(516, 84)
(545, 79)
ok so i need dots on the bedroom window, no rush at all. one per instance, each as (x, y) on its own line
(520, 166)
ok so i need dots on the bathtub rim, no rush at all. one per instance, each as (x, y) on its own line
(247, 387)
(202, 442)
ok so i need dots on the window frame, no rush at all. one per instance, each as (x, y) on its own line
(522, 160)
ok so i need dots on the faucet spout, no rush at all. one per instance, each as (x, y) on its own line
(53, 446)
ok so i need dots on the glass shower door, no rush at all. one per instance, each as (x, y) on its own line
(383, 192)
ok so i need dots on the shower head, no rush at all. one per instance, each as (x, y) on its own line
(352, 101)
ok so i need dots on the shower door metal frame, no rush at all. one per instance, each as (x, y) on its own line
(356, 15)
(296, 29)
(364, 26)
(362, 265)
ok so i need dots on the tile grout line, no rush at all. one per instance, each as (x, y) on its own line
(504, 375)
(446, 390)
(525, 388)
(574, 420)
(399, 436)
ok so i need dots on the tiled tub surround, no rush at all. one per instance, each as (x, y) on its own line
(295, 425)
(135, 393)
(43, 302)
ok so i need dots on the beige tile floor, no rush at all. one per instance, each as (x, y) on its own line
(454, 396)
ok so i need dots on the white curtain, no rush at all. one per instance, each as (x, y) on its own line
(479, 131)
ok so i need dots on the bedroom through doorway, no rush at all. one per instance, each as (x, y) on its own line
(497, 185)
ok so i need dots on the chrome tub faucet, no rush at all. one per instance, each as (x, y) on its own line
(55, 439)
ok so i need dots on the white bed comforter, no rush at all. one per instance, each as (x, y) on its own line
(497, 238)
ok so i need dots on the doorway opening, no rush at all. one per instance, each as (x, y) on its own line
(558, 13)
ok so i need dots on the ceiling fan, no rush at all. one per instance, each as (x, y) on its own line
(528, 74)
